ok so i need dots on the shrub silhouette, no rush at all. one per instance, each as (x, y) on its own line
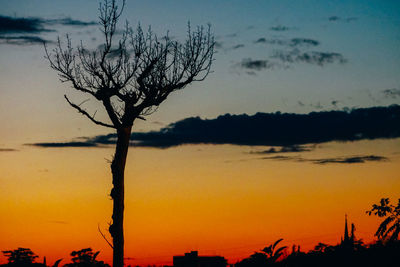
(265, 257)
(85, 257)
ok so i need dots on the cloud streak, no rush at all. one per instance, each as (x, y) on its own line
(313, 57)
(391, 93)
(284, 149)
(264, 129)
(257, 64)
(7, 150)
(26, 31)
(279, 28)
(294, 42)
(337, 160)
(23, 40)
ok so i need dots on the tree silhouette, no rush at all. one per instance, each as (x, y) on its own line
(85, 258)
(20, 256)
(390, 226)
(131, 78)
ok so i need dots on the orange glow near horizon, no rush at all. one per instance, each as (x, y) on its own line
(219, 200)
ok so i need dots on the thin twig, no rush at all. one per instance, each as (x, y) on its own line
(104, 237)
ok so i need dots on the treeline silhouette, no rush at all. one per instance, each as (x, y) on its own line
(22, 257)
(378, 254)
(349, 252)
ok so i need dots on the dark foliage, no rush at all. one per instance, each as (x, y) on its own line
(390, 226)
(378, 254)
(20, 257)
(85, 257)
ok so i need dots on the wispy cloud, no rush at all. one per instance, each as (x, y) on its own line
(264, 129)
(290, 51)
(285, 149)
(23, 40)
(391, 93)
(26, 31)
(67, 144)
(257, 64)
(7, 150)
(293, 42)
(337, 18)
(337, 160)
(313, 57)
(350, 160)
(279, 28)
(237, 46)
(70, 22)
(21, 25)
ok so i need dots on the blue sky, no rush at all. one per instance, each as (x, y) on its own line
(353, 47)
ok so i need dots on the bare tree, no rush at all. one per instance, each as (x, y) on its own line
(131, 78)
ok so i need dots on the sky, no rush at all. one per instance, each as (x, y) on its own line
(217, 195)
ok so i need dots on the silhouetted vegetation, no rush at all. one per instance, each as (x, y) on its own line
(24, 257)
(390, 226)
(20, 257)
(265, 257)
(85, 257)
(377, 254)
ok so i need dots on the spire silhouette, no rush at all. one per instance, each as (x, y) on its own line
(346, 230)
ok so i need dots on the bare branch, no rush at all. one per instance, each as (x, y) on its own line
(104, 237)
(140, 69)
(84, 112)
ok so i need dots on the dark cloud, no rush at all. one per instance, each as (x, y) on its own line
(71, 22)
(26, 31)
(301, 104)
(336, 18)
(21, 25)
(258, 65)
(67, 144)
(284, 149)
(350, 160)
(391, 93)
(293, 42)
(295, 50)
(265, 129)
(276, 41)
(334, 103)
(10, 25)
(338, 160)
(7, 149)
(333, 18)
(261, 40)
(313, 57)
(23, 40)
(279, 28)
(238, 46)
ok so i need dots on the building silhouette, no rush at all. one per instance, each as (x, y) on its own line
(192, 259)
(348, 240)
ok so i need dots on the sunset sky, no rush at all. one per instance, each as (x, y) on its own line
(228, 199)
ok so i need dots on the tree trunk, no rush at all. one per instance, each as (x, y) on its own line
(117, 194)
